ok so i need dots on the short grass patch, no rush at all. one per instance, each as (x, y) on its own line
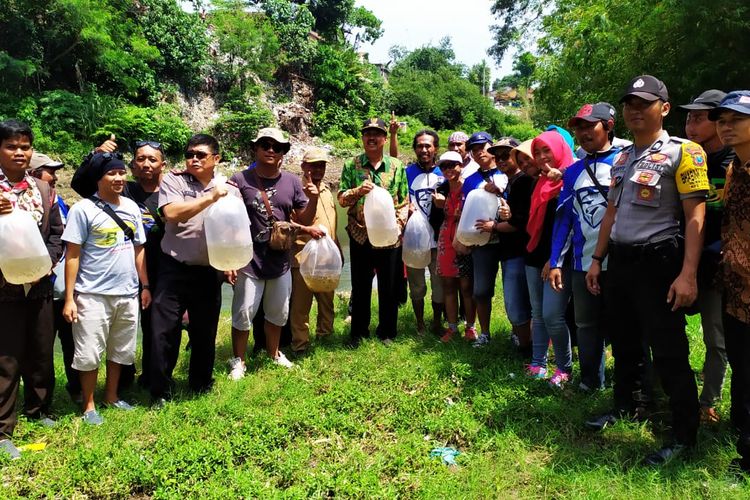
(361, 423)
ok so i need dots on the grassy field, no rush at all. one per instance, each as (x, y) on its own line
(362, 423)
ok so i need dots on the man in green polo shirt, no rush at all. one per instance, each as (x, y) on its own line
(358, 177)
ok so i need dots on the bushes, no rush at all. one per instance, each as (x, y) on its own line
(238, 122)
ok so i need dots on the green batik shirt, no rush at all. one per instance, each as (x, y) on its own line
(389, 175)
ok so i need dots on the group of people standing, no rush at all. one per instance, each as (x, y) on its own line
(632, 236)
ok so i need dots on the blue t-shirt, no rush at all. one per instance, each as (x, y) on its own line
(481, 177)
(107, 263)
(580, 210)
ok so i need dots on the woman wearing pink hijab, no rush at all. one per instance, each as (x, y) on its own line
(552, 155)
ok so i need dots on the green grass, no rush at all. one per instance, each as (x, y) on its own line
(361, 424)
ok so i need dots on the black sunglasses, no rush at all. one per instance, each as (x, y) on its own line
(139, 144)
(275, 146)
(201, 155)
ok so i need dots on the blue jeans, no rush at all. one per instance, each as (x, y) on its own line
(516, 291)
(485, 271)
(589, 311)
(548, 319)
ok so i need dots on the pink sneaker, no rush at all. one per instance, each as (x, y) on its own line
(537, 372)
(559, 379)
(447, 336)
(470, 334)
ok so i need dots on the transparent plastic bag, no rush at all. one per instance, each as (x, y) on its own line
(228, 237)
(380, 218)
(479, 205)
(23, 255)
(320, 263)
(417, 244)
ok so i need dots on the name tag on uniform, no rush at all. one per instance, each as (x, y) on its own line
(646, 177)
(188, 194)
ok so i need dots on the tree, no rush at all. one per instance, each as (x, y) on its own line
(589, 49)
(480, 75)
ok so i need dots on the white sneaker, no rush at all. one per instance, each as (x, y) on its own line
(282, 361)
(481, 341)
(236, 369)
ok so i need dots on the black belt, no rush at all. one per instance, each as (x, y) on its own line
(638, 251)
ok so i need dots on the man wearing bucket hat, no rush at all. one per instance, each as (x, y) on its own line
(653, 261)
(314, 163)
(28, 338)
(358, 177)
(700, 129)
(732, 117)
(271, 195)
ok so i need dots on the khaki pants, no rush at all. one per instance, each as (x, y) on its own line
(299, 312)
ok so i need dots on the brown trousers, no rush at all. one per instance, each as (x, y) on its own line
(26, 352)
(299, 312)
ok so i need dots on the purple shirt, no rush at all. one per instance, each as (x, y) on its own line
(285, 195)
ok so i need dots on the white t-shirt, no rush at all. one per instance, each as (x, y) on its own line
(107, 263)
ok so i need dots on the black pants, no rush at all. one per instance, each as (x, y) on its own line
(64, 331)
(26, 349)
(737, 338)
(196, 289)
(638, 280)
(366, 262)
(127, 376)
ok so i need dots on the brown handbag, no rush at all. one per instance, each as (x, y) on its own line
(283, 233)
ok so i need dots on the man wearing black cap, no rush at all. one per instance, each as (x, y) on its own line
(700, 129)
(732, 117)
(653, 260)
(580, 210)
(104, 269)
(358, 177)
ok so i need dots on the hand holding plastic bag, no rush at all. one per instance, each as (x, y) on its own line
(417, 243)
(320, 263)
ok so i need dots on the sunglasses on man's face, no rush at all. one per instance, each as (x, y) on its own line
(201, 155)
(272, 145)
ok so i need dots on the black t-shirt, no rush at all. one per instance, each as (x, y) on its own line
(518, 196)
(717, 164)
(540, 255)
(148, 204)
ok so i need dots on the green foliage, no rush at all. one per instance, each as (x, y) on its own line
(247, 42)
(346, 90)
(589, 49)
(292, 23)
(238, 123)
(131, 123)
(118, 46)
(429, 85)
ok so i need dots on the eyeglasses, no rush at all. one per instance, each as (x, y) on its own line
(139, 144)
(272, 145)
(201, 155)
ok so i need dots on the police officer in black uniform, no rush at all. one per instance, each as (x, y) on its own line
(653, 233)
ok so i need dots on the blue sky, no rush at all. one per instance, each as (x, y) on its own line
(416, 23)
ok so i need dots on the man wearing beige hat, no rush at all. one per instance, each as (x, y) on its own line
(272, 196)
(313, 167)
